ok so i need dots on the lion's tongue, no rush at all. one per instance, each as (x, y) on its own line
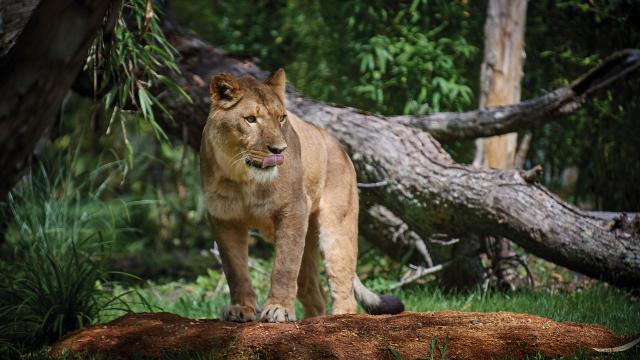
(272, 160)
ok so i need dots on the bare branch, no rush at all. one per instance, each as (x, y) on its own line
(449, 126)
(419, 273)
(523, 149)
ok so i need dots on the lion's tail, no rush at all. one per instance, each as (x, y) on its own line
(376, 304)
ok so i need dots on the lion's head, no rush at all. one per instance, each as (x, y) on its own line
(248, 124)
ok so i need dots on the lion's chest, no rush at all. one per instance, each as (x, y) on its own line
(227, 200)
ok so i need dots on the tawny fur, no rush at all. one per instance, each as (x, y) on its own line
(307, 205)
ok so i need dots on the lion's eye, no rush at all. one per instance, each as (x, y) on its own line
(251, 119)
(283, 119)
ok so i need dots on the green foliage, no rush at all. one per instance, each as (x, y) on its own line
(130, 64)
(392, 57)
(53, 255)
(407, 61)
(441, 349)
(565, 39)
(394, 353)
(165, 213)
(174, 216)
(386, 56)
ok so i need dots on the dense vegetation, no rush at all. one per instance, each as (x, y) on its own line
(117, 196)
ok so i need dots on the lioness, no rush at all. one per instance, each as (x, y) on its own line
(264, 168)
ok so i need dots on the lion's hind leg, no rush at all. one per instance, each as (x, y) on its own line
(338, 224)
(310, 291)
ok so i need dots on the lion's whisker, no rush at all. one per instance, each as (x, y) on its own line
(238, 158)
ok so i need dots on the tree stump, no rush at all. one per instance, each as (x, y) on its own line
(469, 336)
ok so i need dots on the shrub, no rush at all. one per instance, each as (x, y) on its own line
(53, 256)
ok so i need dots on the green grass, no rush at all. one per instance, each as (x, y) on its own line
(600, 305)
(607, 306)
(202, 298)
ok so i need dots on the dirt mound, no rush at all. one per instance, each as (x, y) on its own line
(470, 336)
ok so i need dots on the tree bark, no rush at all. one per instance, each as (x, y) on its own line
(501, 72)
(37, 72)
(500, 76)
(422, 185)
(13, 17)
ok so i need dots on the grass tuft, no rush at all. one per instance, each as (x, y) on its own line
(56, 241)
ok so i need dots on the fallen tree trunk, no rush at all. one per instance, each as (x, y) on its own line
(423, 186)
(468, 336)
(431, 193)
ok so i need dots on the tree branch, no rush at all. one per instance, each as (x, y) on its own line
(447, 126)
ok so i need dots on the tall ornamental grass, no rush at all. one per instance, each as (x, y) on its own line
(52, 259)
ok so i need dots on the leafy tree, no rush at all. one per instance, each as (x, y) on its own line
(385, 56)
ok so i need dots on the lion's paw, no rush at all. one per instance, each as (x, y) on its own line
(277, 313)
(238, 313)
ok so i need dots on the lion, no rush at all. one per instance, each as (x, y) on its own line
(264, 168)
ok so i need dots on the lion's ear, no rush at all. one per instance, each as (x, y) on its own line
(225, 90)
(278, 81)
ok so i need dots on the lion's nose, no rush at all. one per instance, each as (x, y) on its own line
(277, 149)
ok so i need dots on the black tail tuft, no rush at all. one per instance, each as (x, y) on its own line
(387, 305)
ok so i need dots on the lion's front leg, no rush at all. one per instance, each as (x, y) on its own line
(232, 240)
(290, 231)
